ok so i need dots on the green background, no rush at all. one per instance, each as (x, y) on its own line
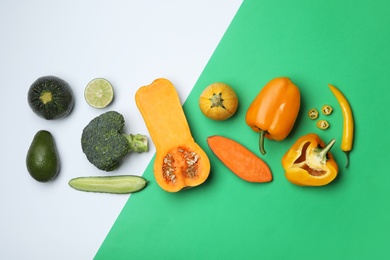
(345, 43)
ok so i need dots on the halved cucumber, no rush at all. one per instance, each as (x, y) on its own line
(121, 184)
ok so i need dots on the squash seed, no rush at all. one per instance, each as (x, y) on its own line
(186, 162)
(168, 168)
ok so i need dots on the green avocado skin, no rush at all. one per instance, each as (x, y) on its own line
(42, 160)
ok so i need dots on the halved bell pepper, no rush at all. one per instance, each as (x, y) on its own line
(309, 162)
(274, 110)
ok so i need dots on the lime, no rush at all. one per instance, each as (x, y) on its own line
(99, 93)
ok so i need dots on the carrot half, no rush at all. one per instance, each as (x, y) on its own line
(239, 159)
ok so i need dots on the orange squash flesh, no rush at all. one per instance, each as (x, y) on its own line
(180, 162)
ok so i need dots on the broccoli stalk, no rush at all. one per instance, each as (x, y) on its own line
(104, 143)
(137, 143)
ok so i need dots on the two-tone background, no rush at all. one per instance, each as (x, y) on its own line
(194, 44)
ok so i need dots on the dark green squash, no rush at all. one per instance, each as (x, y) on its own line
(51, 97)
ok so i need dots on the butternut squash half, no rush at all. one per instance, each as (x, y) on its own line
(179, 162)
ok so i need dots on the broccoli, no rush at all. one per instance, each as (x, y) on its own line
(105, 145)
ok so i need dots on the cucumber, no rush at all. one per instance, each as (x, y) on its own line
(121, 184)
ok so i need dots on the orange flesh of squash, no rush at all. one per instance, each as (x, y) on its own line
(180, 162)
(239, 159)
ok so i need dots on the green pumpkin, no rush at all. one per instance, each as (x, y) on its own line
(51, 97)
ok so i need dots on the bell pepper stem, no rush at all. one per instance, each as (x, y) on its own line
(326, 149)
(261, 141)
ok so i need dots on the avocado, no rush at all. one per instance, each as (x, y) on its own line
(50, 97)
(43, 161)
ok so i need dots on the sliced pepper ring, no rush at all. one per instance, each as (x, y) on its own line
(323, 124)
(327, 110)
(313, 114)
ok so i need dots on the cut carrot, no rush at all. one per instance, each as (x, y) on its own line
(239, 159)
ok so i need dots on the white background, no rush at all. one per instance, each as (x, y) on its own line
(130, 43)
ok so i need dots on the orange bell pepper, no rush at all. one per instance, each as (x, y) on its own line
(274, 111)
(309, 162)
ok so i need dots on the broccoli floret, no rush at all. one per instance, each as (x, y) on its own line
(105, 145)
